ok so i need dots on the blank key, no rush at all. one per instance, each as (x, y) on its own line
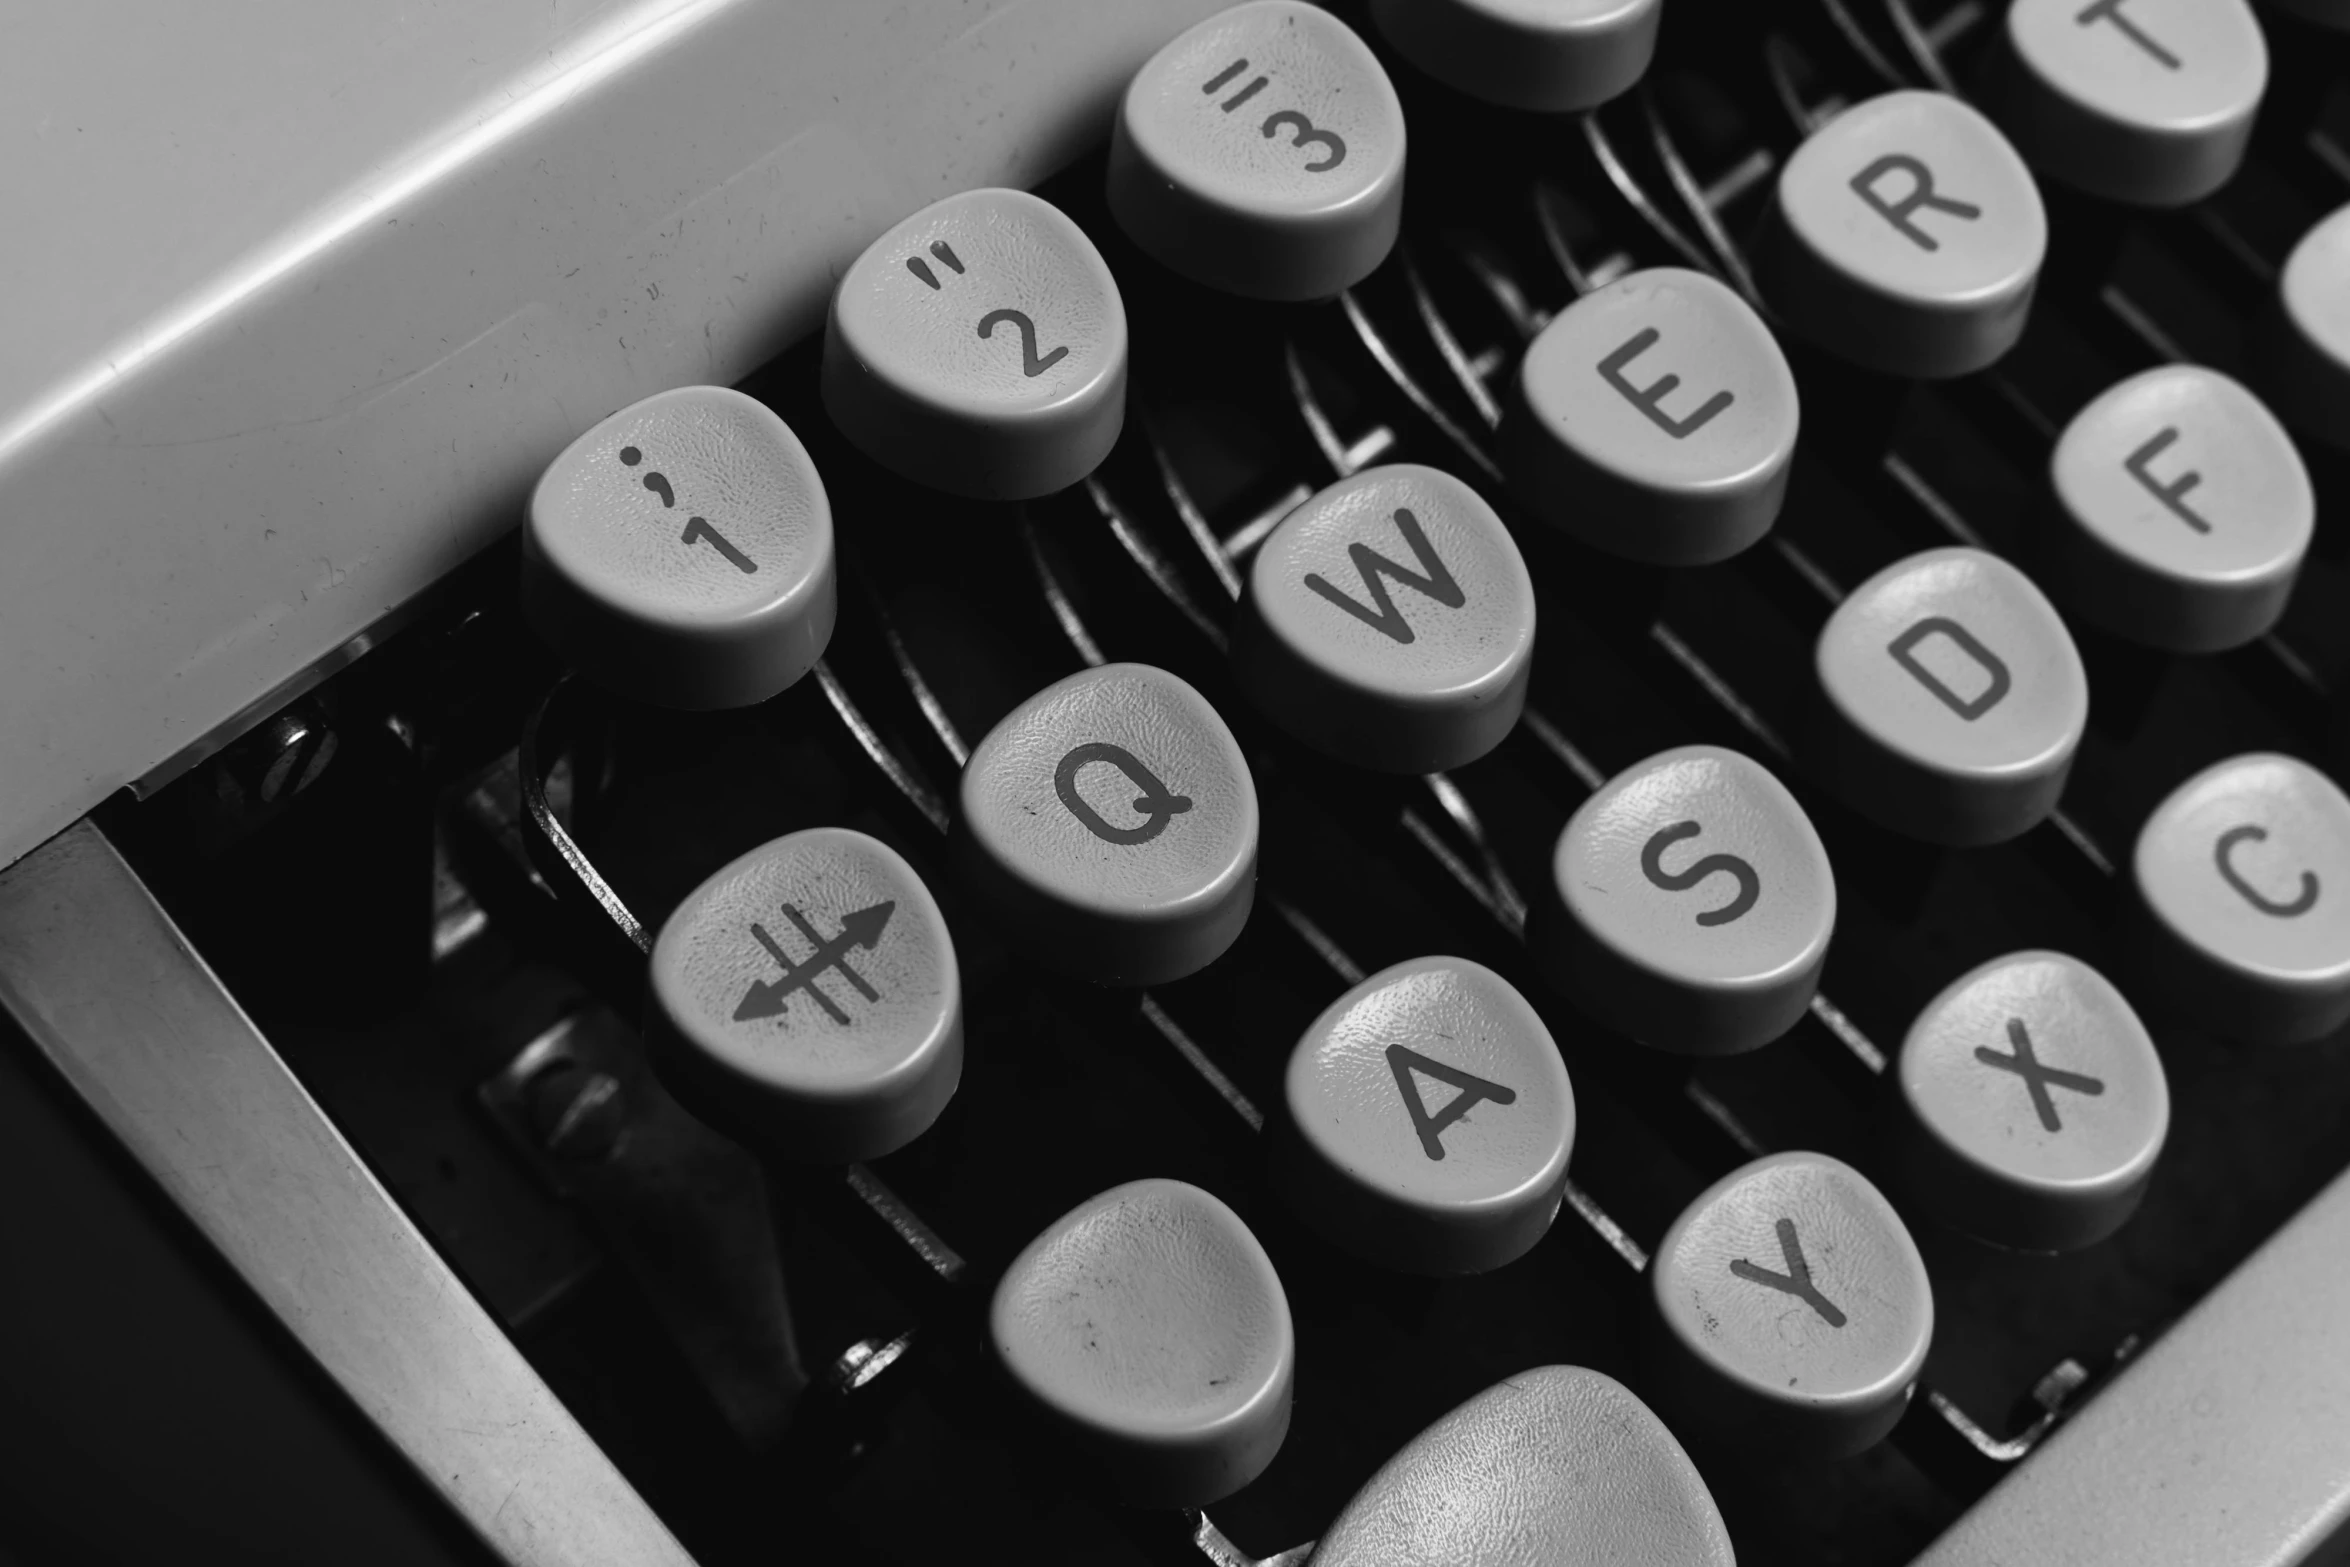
(2189, 511)
(1907, 237)
(1691, 904)
(1955, 699)
(1262, 153)
(680, 552)
(2302, 346)
(980, 347)
(2143, 101)
(1149, 1322)
(808, 996)
(2245, 874)
(2037, 1105)
(1430, 1120)
(1557, 1465)
(1389, 622)
(1112, 822)
(1552, 56)
(1793, 1310)
(1656, 420)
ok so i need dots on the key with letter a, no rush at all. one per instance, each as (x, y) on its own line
(1111, 821)
(1791, 1310)
(2036, 1105)
(806, 996)
(1954, 699)
(1691, 904)
(1430, 1119)
(680, 552)
(1906, 237)
(2189, 511)
(980, 347)
(2244, 882)
(1389, 622)
(1655, 420)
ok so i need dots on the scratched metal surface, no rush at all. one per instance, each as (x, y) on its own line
(953, 613)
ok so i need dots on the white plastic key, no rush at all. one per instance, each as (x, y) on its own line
(1656, 420)
(2189, 511)
(2144, 101)
(1553, 1466)
(2302, 346)
(2037, 1105)
(1262, 153)
(807, 994)
(1151, 1324)
(980, 347)
(1907, 237)
(1429, 1120)
(680, 552)
(1551, 56)
(1389, 622)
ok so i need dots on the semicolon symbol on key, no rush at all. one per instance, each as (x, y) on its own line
(1031, 364)
(697, 529)
(767, 998)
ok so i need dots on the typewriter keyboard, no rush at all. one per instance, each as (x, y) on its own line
(1555, 782)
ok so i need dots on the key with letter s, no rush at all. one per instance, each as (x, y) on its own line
(979, 347)
(1655, 419)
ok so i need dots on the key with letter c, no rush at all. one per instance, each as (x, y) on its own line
(2144, 101)
(1656, 419)
(1150, 1324)
(1112, 822)
(1389, 622)
(1954, 698)
(1792, 1312)
(2036, 1104)
(2189, 511)
(979, 347)
(1262, 153)
(1906, 237)
(2244, 874)
(808, 996)
(1557, 1465)
(1691, 904)
(680, 552)
(1430, 1119)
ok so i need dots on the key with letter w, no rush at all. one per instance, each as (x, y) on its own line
(1386, 618)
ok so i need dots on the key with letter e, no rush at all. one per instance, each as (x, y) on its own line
(1655, 419)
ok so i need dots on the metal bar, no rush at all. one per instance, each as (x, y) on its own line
(96, 973)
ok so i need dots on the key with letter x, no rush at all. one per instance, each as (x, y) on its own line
(1814, 1355)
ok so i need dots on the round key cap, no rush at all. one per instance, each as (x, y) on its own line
(1112, 821)
(1693, 904)
(1554, 1465)
(1955, 699)
(2190, 511)
(1656, 420)
(1794, 1310)
(980, 347)
(1389, 622)
(2302, 347)
(680, 552)
(2245, 872)
(2144, 101)
(2037, 1105)
(1262, 153)
(1429, 1120)
(808, 995)
(1552, 56)
(1906, 237)
(1151, 1323)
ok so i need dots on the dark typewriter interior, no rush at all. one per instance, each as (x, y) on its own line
(372, 869)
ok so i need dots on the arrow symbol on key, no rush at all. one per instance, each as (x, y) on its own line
(861, 929)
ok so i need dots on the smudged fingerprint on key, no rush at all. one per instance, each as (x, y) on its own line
(698, 530)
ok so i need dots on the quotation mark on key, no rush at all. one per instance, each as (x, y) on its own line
(1032, 364)
(697, 529)
(1307, 133)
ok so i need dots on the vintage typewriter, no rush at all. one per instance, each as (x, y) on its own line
(1471, 781)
